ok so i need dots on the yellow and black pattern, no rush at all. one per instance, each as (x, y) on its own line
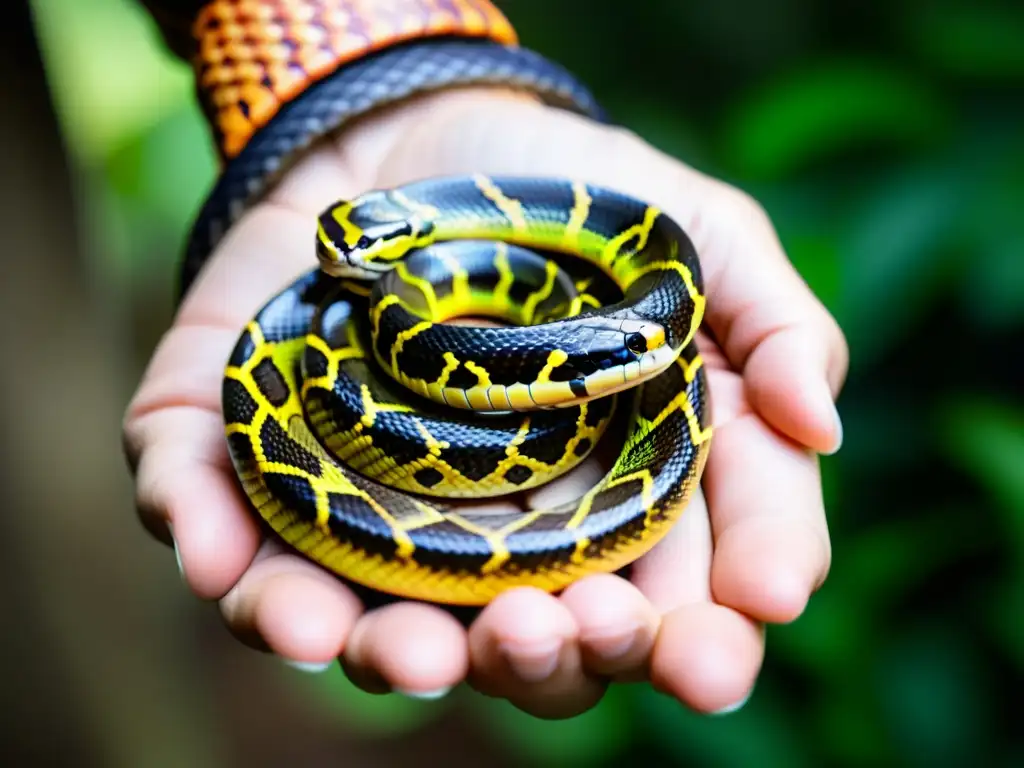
(644, 251)
(301, 386)
(375, 427)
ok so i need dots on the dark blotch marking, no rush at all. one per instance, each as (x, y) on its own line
(295, 493)
(243, 350)
(578, 387)
(484, 281)
(438, 544)
(428, 477)
(613, 497)
(463, 378)
(565, 372)
(660, 391)
(552, 447)
(241, 449)
(238, 403)
(518, 474)
(393, 321)
(315, 363)
(615, 214)
(582, 447)
(520, 291)
(396, 435)
(271, 383)
(477, 464)
(444, 287)
(279, 447)
(598, 410)
(353, 520)
(628, 248)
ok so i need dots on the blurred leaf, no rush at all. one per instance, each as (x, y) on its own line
(895, 255)
(932, 692)
(173, 168)
(980, 39)
(987, 439)
(584, 740)
(827, 108)
(757, 735)
(994, 232)
(111, 75)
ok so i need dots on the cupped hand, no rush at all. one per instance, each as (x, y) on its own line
(749, 550)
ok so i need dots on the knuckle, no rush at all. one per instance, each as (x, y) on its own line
(742, 205)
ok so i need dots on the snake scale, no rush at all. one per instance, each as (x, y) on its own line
(353, 408)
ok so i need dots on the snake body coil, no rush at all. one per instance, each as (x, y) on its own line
(352, 406)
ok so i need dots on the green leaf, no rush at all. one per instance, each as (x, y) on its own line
(825, 109)
(584, 740)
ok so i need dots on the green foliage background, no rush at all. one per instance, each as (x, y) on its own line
(885, 139)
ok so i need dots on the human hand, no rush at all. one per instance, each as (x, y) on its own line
(749, 549)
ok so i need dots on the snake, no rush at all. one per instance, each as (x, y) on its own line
(360, 419)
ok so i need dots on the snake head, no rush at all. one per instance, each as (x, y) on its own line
(366, 236)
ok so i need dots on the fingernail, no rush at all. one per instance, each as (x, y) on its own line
(437, 693)
(733, 707)
(612, 645)
(838, 430)
(312, 667)
(177, 552)
(532, 662)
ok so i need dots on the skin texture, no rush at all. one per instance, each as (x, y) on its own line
(749, 551)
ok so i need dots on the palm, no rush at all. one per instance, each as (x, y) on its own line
(690, 618)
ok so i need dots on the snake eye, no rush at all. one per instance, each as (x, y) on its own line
(636, 343)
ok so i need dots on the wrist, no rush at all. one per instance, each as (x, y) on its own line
(367, 142)
(349, 160)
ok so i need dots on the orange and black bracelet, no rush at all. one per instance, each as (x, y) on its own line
(274, 76)
(254, 56)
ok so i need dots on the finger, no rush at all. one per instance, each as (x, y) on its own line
(707, 656)
(617, 626)
(771, 536)
(410, 647)
(292, 608)
(185, 490)
(524, 648)
(791, 352)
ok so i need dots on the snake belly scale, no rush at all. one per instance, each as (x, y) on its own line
(353, 409)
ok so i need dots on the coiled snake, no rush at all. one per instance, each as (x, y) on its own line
(353, 409)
